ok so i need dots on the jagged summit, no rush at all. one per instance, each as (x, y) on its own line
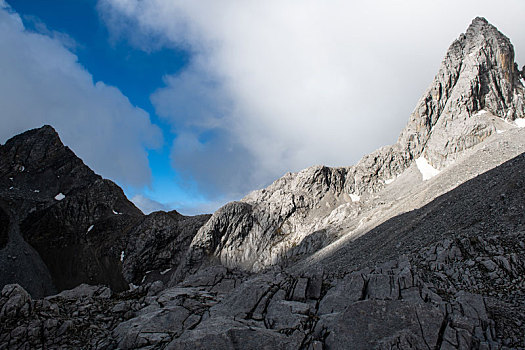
(478, 73)
(476, 93)
(37, 150)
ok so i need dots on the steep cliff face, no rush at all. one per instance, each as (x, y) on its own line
(476, 93)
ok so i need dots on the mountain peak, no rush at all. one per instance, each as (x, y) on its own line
(45, 132)
(480, 25)
(477, 74)
(37, 150)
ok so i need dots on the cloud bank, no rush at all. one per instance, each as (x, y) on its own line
(275, 86)
(43, 83)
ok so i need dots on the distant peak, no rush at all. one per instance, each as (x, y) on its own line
(477, 73)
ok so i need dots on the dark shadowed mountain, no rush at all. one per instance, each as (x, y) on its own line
(65, 225)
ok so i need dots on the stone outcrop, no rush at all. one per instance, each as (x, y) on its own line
(476, 93)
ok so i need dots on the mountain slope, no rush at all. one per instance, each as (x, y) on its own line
(476, 93)
(449, 275)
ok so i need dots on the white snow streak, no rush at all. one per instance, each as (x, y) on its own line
(122, 256)
(427, 170)
(59, 197)
(480, 112)
(165, 271)
(354, 197)
(389, 181)
(89, 228)
(520, 122)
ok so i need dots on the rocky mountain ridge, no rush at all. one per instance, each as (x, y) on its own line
(477, 92)
(420, 245)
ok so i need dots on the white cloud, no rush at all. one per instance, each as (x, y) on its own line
(148, 205)
(43, 83)
(302, 82)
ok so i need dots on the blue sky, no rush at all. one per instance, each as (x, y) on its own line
(188, 105)
(135, 72)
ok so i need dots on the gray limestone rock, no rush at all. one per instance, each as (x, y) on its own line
(222, 333)
(476, 93)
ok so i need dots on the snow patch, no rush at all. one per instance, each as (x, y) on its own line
(36, 191)
(116, 212)
(426, 170)
(499, 131)
(520, 122)
(90, 228)
(59, 197)
(22, 168)
(480, 112)
(122, 255)
(11, 187)
(165, 271)
(132, 286)
(354, 197)
(389, 181)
